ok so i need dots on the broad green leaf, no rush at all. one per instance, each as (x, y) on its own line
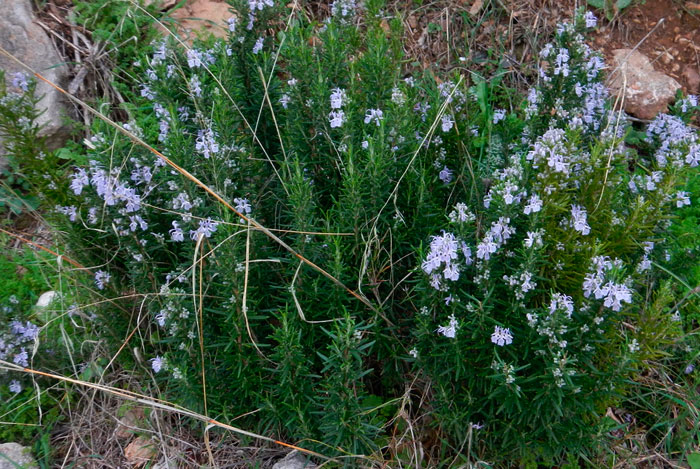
(694, 460)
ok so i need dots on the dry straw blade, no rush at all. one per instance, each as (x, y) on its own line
(159, 404)
(44, 248)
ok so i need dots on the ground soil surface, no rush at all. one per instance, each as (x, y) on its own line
(666, 31)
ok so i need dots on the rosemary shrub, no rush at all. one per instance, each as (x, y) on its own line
(398, 248)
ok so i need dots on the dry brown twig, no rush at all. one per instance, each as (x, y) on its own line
(155, 403)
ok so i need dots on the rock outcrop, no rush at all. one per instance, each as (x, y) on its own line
(202, 16)
(645, 91)
(14, 455)
(28, 42)
(294, 460)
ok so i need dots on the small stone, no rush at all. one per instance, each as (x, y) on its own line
(165, 463)
(692, 78)
(14, 455)
(646, 91)
(476, 6)
(129, 423)
(202, 16)
(294, 460)
(46, 298)
(140, 451)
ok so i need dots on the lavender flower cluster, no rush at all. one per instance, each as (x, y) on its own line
(17, 341)
(561, 192)
(128, 197)
(597, 283)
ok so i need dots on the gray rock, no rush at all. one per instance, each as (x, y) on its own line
(294, 460)
(27, 41)
(46, 298)
(646, 92)
(13, 455)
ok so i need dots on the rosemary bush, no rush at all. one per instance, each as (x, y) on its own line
(398, 249)
(33, 173)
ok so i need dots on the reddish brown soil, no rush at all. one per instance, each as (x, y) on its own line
(437, 32)
(666, 31)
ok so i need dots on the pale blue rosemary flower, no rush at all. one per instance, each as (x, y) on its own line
(147, 92)
(338, 98)
(534, 238)
(101, 279)
(336, 118)
(375, 115)
(682, 198)
(206, 143)
(447, 123)
(15, 386)
(397, 96)
(19, 80)
(21, 358)
(445, 175)
(206, 228)
(259, 4)
(157, 363)
(501, 336)
(258, 45)
(591, 20)
(284, 100)
(534, 205)
(579, 219)
(243, 205)
(232, 24)
(449, 331)
(486, 247)
(498, 115)
(196, 86)
(194, 58)
(443, 250)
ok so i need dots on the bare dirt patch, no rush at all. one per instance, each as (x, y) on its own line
(666, 31)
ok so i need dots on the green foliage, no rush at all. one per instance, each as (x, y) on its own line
(21, 274)
(15, 194)
(694, 460)
(498, 260)
(125, 29)
(611, 8)
(33, 172)
(34, 410)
